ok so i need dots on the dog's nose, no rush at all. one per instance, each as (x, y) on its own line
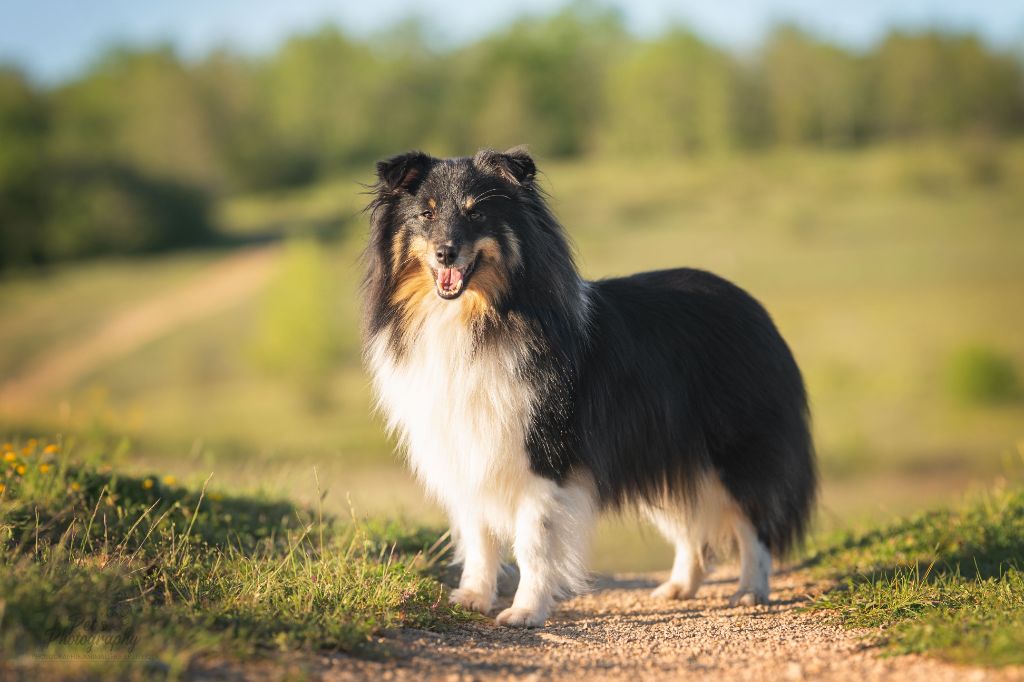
(446, 253)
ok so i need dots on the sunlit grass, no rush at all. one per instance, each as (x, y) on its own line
(947, 582)
(99, 567)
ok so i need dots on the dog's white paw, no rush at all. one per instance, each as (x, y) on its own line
(670, 590)
(472, 600)
(521, 618)
(749, 598)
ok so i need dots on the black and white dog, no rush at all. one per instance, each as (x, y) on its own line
(528, 398)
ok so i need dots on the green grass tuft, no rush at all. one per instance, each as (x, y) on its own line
(947, 582)
(98, 566)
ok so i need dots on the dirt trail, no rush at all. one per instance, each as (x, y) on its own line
(221, 285)
(619, 633)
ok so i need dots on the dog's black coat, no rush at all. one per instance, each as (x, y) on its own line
(647, 381)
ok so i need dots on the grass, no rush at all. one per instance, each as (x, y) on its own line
(139, 573)
(107, 573)
(948, 583)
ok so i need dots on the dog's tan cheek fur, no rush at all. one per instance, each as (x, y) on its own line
(414, 280)
(397, 252)
(413, 285)
(488, 284)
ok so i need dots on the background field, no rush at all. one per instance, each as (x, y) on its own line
(180, 228)
(880, 266)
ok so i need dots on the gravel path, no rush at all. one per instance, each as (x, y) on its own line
(618, 632)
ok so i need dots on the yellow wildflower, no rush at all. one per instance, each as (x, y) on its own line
(27, 451)
(21, 469)
(10, 457)
(148, 483)
(3, 487)
(51, 449)
(76, 486)
(44, 468)
(10, 448)
(32, 443)
(170, 480)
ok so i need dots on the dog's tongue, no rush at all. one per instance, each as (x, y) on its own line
(449, 278)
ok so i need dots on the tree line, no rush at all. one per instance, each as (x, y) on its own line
(128, 156)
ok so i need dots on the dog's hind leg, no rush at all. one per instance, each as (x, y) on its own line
(755, 565)
(688, 566)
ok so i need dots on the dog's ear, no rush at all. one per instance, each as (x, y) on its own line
(402, 173)
(515, 165)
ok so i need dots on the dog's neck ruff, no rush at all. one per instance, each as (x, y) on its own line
(459, 407)
(460, 404)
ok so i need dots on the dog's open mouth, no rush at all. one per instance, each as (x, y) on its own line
(451, 282)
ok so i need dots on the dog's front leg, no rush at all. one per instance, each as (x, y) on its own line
(552, 531)
(480, 554)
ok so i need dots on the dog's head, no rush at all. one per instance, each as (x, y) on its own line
(448, 227)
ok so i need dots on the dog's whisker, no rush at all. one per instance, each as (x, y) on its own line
(480, 197)
(494, 196)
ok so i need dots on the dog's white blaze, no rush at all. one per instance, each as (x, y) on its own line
(462, 414)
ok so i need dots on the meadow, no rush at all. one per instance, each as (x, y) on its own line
(893, 271)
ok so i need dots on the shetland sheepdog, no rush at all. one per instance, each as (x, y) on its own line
(528, 399)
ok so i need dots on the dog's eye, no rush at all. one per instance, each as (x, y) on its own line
(475, 215)
(427, 215)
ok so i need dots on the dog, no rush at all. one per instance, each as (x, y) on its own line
(529, 399)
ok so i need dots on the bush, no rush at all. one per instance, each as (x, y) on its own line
(112, 209)
(297, 338)
(68, 211)
(979, 375)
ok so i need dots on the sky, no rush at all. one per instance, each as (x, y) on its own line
(54, 40)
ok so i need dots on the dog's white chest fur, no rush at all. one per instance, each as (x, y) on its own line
(461, 413)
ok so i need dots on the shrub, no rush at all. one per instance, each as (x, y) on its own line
(297, 339)
(114, 209)
(979, 375)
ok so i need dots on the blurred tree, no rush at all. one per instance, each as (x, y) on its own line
(227, 89)
(85, 166)
(539, 82)
(139, 108)
(410, 93)
(319, 95)
(933, 83)
(95, 209)
(673, 95)
(59, 202)
(23, 129)
(815, 91)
